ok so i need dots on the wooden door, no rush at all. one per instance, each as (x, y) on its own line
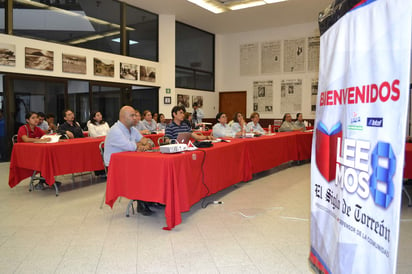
(231, 102)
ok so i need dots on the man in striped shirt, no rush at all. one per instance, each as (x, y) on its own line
(177, 125)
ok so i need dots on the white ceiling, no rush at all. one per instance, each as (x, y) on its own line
(268, 16)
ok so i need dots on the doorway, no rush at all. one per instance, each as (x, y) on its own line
(231, 102)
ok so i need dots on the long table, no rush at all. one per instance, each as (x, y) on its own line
(52, 159)
(180, 180)
(155, 137)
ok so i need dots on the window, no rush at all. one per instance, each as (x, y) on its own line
(195, 55)
(142, 33)
(88, 24)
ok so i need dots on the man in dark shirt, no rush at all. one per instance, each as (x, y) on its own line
(70, 127)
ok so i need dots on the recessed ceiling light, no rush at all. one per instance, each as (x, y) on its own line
(245, 5)
(212, 6)
(274, 1)
(131, 42)
(219, 6)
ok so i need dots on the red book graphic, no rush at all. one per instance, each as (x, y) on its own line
(326, 149)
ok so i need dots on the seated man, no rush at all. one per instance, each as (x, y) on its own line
(222, 129)
(50, 121)
(70, 127)
(123, 136)
(177, 125)
(43, 125)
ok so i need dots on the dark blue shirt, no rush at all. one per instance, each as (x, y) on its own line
(172, 129)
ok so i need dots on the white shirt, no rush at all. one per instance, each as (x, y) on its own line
(220, 130)
(97, 130)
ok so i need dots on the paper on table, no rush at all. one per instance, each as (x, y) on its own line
(54, 138)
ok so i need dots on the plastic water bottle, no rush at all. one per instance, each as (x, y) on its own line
(269, 129)
(157, 128)
(243, 131)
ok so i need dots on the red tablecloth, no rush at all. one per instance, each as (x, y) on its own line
(267, 152)
(154, 137)
(176, 179)
(69, 156)
(407, 172)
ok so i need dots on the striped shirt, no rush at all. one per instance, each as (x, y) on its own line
(172, 129)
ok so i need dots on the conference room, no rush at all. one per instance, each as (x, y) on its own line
(239, 206)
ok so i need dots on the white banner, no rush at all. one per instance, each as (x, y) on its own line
(359, 141)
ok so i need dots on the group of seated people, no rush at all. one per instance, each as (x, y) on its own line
(289, 125)
(127, 134)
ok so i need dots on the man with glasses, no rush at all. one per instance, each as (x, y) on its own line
(70, 127)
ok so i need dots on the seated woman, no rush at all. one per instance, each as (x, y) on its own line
(162, 122)
(139, 124)
(287, 124)
(148, 122)
(222, 129)
(96, 126)
(299, 123)
(30, 132)
(155, 117)
(254, 126)
(238, 123)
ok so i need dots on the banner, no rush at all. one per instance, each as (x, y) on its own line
(359, 139)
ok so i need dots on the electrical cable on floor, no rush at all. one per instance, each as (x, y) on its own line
(203, 204)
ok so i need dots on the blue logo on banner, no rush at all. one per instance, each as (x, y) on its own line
(382, 175)
(374, 122)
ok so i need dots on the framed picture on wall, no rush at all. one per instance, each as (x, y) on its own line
(198, 100)
(103, 67)
(167, 100)
(7, 55)
(129, 71)
(183, 100)
(73, 63)
(39, 59)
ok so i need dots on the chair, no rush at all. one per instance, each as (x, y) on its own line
(101, 148)
(14, 139)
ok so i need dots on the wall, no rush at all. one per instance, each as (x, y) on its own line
(167, 67)
(228, 66)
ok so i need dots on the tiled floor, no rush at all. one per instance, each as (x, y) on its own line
(262, 227)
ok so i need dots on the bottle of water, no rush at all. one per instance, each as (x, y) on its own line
(157, 128)
(269, 129)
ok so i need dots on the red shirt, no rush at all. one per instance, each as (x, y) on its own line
(26, 130)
